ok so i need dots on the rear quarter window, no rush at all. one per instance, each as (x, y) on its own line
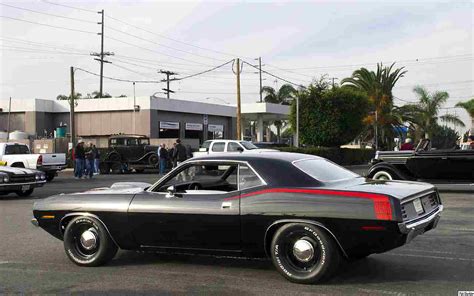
(324, 170)
(218, 147)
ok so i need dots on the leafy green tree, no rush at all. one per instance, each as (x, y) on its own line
(378, 86)
(444, 137)
(283, 96)
(468, 106)
(329, 117)
(61, 97)
(96, 95)
(425, 114)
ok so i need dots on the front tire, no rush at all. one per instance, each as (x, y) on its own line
(303, 253)
(87, 242)
(384, 175)
(50, 176)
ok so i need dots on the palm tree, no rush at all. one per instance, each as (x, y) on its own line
(469, 107)
(283, 96)
(378, 85)
(425, 113)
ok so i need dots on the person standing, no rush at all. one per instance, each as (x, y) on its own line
(408, 145)
(96, 159)
(90, 160)
(79, 159)
(173, 155)
(163, 155)
(180, 155)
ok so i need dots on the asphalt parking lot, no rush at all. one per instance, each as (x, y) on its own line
(441, 262)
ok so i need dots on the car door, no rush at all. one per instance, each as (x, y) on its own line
(460, 165)
(429, 164)
(203, 213)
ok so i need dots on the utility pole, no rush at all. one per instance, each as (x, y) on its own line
(167, 89)
(9, 112)
(71, 106)
(239, 131)
(260, 73)
(297, 136)
(134, 107)
(333, 78)
(101, 54)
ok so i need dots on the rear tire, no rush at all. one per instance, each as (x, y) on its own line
(153, 160)
(384, 175)
(87, 242)
(24, 193)
(304, 253)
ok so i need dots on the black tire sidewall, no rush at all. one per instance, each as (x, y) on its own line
(106, 249)
(329, 256)
(25, 193)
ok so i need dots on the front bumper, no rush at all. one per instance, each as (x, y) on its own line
(417, 227)
(11, 187)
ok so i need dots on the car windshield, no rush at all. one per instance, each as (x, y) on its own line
(206, 144)
(324, 170)
(248, 145)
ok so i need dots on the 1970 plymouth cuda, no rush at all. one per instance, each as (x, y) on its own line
(20, 180)
(303, 211)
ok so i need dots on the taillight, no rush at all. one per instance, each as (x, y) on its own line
(382, 207)
(39, 162)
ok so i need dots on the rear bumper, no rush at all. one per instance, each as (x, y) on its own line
(417, 227)
(51, 168)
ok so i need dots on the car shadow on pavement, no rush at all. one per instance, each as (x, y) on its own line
(124, 258)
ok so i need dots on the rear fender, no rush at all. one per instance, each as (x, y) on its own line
(387, 166)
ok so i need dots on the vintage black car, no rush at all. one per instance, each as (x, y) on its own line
(129, 152)
(304, 212)
(20, 181)
(444, 165)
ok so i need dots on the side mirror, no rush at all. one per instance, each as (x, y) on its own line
(171, 191)
(240, 149)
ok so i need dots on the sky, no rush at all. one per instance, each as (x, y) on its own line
(297, 40)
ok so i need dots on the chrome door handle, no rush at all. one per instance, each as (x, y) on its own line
(226, 205)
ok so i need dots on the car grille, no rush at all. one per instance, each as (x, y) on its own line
(22, 178)
(429, 202)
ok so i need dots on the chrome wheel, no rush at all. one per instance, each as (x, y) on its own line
(303, 250)
(89, 239)
(382, 175)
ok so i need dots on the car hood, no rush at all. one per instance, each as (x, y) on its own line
(16, 171)
(397, 189)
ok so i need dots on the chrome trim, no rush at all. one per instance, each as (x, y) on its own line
(88, 215)
(407, 227)
(35, 222)
(301, 221)
(20, 184)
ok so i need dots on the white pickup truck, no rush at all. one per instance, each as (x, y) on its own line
(220, 146)
(19, 155)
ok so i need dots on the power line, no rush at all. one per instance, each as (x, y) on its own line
(203, 72)
(275, 76)
(33, 43)
(156, 52)
(118, 79)
(162, 45)
(435, 83)
(33, 50)
(68, 6)
(174, 40)
(46, 25)
(49, 14)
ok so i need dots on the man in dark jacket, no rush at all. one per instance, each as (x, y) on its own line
(90, 160)
(179, 152)
(79, 159)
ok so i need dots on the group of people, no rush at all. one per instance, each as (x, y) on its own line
(86, 160)
(173, 156)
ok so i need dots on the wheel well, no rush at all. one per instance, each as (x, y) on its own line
(272, 229)
(66, 219)
(18, 165)
(398, 172)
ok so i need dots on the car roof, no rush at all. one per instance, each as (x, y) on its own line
(257, 155)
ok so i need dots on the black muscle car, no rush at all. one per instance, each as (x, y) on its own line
(20, 180)
(444, 165)
(302, 211)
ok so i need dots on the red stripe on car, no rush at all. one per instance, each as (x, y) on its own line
(382, 207)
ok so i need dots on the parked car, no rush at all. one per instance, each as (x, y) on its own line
(128, 152)
(424, 164)
(303, 211)
(19, 155)
(219, 146)
(20, 181)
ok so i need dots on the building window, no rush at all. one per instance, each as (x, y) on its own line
(168, 129)
(215, 131)
(194, 131)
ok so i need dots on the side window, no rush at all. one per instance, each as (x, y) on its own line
(144, 141)
(23, 149)
(233, 147)
(204, 178)
(248, 178)
(132, 142)
(10, 149)
(218, 147)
